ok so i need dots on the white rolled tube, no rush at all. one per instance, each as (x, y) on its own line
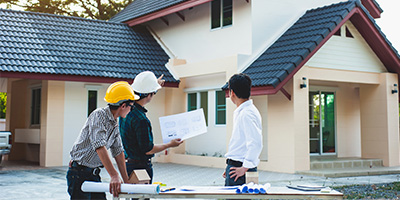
(90, 186)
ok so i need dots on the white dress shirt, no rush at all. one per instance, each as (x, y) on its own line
(246, 141)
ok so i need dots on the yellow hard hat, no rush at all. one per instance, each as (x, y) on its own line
(119, 92)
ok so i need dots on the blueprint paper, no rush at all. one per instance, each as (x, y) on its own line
(90, 186)
(183, 125)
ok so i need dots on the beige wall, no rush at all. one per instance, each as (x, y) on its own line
(379, 121)
(51, 124)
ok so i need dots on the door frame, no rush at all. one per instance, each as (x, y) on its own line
(324, 89)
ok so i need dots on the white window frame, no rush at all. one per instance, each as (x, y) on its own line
(221, 17)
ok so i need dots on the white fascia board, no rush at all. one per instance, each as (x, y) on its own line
(161, 43)
(172, 72)
(244, 61)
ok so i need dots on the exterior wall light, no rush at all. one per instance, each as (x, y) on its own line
(394, 88)
(303, 83)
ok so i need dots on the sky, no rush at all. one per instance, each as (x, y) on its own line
(389, 21)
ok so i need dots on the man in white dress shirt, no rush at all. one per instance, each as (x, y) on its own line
(246, 142)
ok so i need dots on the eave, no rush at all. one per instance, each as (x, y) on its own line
(75, 78)
(372, 8)
(165, 12)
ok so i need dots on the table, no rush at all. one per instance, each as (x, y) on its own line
(207, 193)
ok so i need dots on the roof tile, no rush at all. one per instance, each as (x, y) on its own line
(45, 43)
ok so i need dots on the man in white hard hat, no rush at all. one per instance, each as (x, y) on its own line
(136, 131)
(100, 133)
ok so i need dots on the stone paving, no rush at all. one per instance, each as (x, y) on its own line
(50, 183)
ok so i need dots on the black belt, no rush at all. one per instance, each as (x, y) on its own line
(234, 163)
(130, 160)
(95, 171)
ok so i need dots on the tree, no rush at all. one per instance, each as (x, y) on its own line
(93, 9)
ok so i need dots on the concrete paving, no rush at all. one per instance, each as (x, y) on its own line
(50, 183)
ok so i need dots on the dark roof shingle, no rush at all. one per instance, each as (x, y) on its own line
(52, 44)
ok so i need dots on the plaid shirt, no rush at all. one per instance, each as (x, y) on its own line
(100, 129)
(136, 134)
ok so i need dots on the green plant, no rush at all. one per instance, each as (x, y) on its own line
(3, 103)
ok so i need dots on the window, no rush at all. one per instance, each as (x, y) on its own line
(92, 101)
(344, 30)
(35, 106)
(221, 13)
(199, 100)
(220, 107)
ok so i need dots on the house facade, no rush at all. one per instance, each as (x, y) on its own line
(323, 76)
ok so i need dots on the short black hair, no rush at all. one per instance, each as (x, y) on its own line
(114, 107)
(144, 95)
(241, 85)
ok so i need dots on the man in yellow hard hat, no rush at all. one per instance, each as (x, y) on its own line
(100, 133)
(136, 130)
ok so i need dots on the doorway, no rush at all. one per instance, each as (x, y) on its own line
(322, 123)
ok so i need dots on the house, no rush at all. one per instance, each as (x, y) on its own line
(139, 176)
(57, 70)
(324, 76)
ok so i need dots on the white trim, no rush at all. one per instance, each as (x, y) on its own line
(202, 89)
(269, 42)
(161, 43)
(323, 88)
(171, 71)
(93, 87)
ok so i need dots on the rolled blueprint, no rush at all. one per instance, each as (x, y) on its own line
(253, 188)
(90, 186)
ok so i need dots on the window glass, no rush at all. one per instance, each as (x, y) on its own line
(92, 101)
(35, 108)
(216, 14)
(204, 104)
(220, 107)
(192, 101)
(227, 13)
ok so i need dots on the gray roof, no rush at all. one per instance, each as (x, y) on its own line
(142, 7)
(286, 54)
(52, 44)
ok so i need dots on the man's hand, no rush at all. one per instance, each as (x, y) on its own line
(160, 80)
(175, 142)
(115, 185)
(237, 172)
(224, 174)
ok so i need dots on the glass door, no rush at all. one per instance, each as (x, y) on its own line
(322, 123)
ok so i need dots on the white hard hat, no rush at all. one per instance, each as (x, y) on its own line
(145, 82)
